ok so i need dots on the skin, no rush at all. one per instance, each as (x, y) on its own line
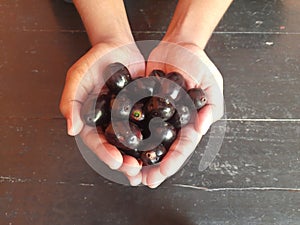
(108, 29)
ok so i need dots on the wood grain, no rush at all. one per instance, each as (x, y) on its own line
(255, 177)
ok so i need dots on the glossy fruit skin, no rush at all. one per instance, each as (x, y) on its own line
(157, 73)
(131, 138)
(117, 76)
(181, 117)
(121, 111)
(173, 87)
(159, 107)
(165, 132)
(177, 78)
(154, 155)
(198, 96)
(145, 86)
(170, 90)
(96, 111)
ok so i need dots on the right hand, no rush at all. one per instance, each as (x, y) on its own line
(199, 71)
(84, 78)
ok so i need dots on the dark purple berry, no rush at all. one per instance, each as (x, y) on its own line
(122, 137)
(198, 97)
(177, 78)
(145, 86)
(171, 90)
(165, 132)
(174, 86)
(157, 73)
(181, 117)
(122, 108)
(96, 111)
(159, 107)
(153, 156)
(117, 76)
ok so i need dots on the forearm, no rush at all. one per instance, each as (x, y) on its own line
(105, 20)
(195, 20)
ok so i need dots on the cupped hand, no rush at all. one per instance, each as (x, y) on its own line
(199, 71)
(83, 79)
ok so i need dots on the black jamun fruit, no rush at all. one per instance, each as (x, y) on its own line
(154, 155)
(121, 111)
(96, 111)
(117, 76)
(145, 86)
(181, 117)
(122, 138)
(198, 97)
(165, 132)
(159, 107)
(157, 73)
(177, 78)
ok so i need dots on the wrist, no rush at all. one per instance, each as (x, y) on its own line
(186, 26)
(118, 38)
(105, 21)
(194, 21)
(184, 41)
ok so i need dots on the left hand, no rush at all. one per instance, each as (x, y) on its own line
(84, 79)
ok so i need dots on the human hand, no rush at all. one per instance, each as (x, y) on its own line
(192, 62)
(84, 79)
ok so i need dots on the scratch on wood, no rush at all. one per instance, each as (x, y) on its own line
(263, 120)
(86, 184)
(24, 29)
(238, 189)
(146, 18)
(10, 179)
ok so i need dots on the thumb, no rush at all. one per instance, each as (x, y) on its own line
(76, 90)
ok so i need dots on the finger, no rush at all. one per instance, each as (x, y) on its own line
(83, 78)
(212, 111)
(152, 177)
(210, 75)
(130, 166)
(180, 151)
(135, 180)
(207, 116)
(177, 155)
(106, 152)
(77, 87)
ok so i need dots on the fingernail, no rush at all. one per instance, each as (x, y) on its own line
(154, 185)
(69, 126)
(75, 125)
(135, 181)
(134, 171)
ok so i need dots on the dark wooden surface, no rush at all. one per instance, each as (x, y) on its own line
(255, 178)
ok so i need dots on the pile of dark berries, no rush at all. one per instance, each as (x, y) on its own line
(147, 115)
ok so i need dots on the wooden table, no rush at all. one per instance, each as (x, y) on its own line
(255, 178)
